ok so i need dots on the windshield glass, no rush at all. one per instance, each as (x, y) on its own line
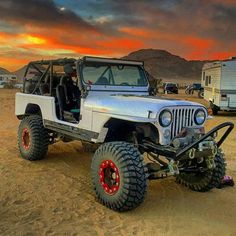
(114, 75)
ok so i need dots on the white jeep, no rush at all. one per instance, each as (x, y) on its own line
(106, 102)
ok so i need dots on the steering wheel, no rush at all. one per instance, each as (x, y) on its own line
(125, 84)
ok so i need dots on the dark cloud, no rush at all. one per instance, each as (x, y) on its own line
(41, 13)
(196, 29)
(223, 23)
(207, 19)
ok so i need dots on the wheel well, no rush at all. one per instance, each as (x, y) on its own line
(33, 109)
(120, 130)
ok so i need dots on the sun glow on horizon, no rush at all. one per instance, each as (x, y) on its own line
(35, 40)
(32, 30)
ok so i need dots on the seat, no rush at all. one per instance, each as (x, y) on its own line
(64, 110)
(44, 89)
(73, 94)
(29, 86)
(68, 96)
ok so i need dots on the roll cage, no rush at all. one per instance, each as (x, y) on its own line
(44, 71)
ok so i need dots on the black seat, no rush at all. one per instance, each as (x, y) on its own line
(61, 98)
(68, 96)
(44, 89)
(73, 94)
(29, 86)
(64, 110)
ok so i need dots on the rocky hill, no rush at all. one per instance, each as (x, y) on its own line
(20, 72)
(168, 67)
(4, 71)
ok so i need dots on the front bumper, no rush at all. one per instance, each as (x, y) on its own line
(175, 154)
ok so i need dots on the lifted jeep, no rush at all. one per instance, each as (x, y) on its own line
(105, 102)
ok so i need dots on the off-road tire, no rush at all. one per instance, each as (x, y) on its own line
(207, 180)
(38, 138)
(214, 109)
(132, 172)
(201, 93)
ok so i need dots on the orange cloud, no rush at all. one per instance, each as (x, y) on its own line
(35, 43)
(120, 44)
(42, 29)
(199, 42)
(12, 63)
(5, 37)
(146, 33)
(199, 47)
(35, 39)
(193, 47)
(221, 55)
(80, 45)
(134, 31)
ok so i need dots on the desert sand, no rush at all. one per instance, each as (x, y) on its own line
(55, 196)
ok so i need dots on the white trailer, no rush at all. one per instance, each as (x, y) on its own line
(219, 82)
(7, 79)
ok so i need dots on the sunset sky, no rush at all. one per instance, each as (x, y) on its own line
(42, 29)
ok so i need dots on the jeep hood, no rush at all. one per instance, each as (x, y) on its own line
(133, 106)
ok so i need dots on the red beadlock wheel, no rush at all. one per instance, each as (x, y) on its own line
(109, 177)
(119, 175)
(33, 138)
(25, 139)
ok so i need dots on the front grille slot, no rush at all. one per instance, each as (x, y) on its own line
(182, 117)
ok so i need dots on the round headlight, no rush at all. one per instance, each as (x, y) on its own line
(165, 118)
(199, 116)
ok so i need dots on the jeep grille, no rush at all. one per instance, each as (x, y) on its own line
(182, 117)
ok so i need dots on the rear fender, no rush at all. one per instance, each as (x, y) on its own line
(26, 103)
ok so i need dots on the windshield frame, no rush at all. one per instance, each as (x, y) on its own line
(109, 65)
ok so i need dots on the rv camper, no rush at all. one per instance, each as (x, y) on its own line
(219, 82)
(7, 79)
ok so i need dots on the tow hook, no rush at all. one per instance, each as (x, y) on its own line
(210, 162)
(173, 167)
(230, 126)
(192, 153)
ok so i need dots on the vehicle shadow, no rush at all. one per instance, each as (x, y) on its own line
(164, 196)
(226, 114)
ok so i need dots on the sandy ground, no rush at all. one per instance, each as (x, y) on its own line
(55, 197)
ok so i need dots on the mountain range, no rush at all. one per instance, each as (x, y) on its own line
(20, 72)
(4, 71)
(161, 64)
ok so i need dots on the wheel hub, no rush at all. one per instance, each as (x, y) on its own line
(25, 138)
(109, 177)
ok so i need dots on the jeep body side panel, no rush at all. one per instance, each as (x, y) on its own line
(71, 131)
(48, 109)
(132, 107)
(140, 109)
(46, 104)
(99, 120)
(83, 130)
